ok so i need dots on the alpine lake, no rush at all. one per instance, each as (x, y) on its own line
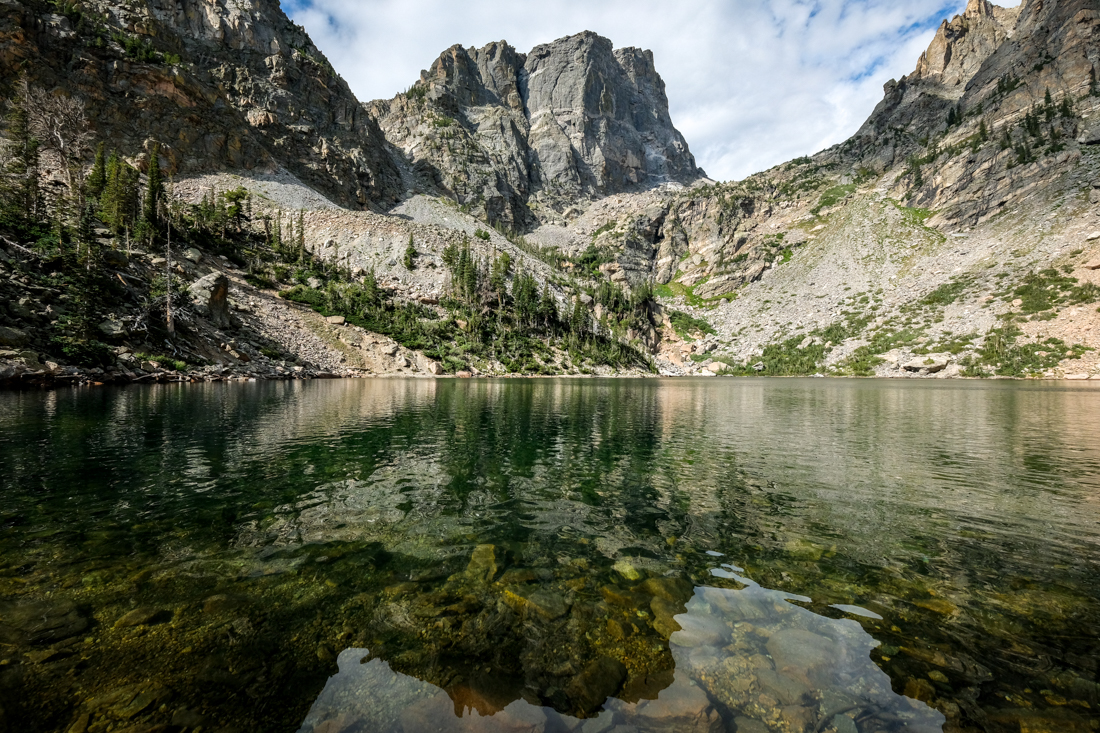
(550, 555)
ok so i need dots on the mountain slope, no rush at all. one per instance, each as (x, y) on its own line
(974, 175)
(233, 87)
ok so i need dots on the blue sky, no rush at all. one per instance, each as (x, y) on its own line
(750, 84)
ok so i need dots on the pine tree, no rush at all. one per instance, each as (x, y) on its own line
(86, 244)
(498, 279)
(110, 198)
(1065, 109)
(983, 132)
(301, 235)
(277, 234)
(129, 186)
(548, 307)
(579, 321)
(467, 274)
(154, 194)
(23, 167)
(410, 255)
(288, 237)
(97, 179)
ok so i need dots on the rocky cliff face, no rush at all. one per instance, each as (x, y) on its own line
(523, 137)
(984, 72)
(991, 115)
(219, 85)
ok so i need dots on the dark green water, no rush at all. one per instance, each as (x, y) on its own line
(575, 555)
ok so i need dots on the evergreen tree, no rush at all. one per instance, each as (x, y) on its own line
(97, 179)
(236, 204)
(154, 194)
(498, 279)
(111, 197)
(277, 233)
(290, 241)
(548, 307)
(983, 132)
(129, 186)
(579, 321)
(1065, 109)
(525, 295)
(23, 167)
(410, 255)
(468, 274)
(301, 234)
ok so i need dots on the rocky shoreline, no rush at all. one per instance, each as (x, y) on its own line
(21, 372)
(17, 373)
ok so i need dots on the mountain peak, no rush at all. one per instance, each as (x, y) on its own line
(961, 45)
(573, 120)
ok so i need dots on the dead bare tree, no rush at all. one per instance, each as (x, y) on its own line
(60, 125)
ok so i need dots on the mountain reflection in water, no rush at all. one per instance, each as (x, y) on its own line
(745, 660)
(544, 555)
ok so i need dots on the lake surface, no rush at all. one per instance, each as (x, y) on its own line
(784, 556)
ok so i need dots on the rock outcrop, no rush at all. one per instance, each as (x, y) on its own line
(210, 295)
(519, 137)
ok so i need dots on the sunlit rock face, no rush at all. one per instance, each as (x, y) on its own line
(571, 120)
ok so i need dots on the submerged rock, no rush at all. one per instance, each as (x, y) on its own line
(143, 616)
(919, 689)
(698, 630)
(601, 679)
(671, 589)
(787, 690)
(542, 602)
(749, 725)
(483, 564)
(626, 569)
(547, 603)
(223, 603)
(682, 706)
(802, 654)
(40, 622)
(664, 613)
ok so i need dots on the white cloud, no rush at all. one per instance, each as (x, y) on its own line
(750, 84)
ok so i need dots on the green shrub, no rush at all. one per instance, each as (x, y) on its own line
(1008, 358)
(832, 195)
(686, 325)
(945, 294)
